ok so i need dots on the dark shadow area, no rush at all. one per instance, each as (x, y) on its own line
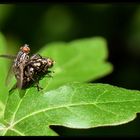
(130, 129)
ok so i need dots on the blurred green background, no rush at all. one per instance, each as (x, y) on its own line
(39, 24)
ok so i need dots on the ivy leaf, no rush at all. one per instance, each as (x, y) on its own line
(80, 60)
(3, 74)
(73, 105)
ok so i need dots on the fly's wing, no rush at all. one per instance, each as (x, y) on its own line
(9, 76)
(18, 72)
(18, 67)
(20, 80)
(35, 56)
(10, 71)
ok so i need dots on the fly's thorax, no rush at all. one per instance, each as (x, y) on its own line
(21, 58)
(20, 62)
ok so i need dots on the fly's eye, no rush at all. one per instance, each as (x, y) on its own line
(50, 62)
(25, 49)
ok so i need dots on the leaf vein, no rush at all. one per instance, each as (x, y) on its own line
(58, 107)
(100, 96)
(18, 132)
(47, 109)
(17, 108)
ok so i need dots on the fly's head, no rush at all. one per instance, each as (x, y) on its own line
(46, 63)
(50, 62)
(25, 49)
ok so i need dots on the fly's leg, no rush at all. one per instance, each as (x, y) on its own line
(13, 88)
(38, 87)
(12, 57)
(49, 74)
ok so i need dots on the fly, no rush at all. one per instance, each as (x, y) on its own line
(28, 70)
(20, 63)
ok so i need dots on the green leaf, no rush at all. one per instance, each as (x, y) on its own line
(3, 74)
(80, 60)
(73, 105)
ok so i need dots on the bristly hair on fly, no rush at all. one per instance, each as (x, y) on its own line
(29, 70)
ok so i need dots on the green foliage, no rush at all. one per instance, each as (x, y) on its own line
(3, 74)
(72, 105)
(80, 60)
(67, 100)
